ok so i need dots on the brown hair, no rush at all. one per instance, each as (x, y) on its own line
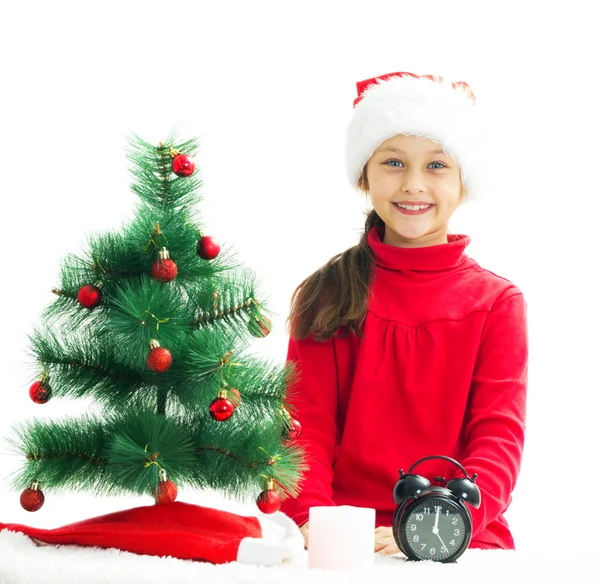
(337, 294)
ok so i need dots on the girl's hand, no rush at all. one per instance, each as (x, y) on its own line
(304, 531)
(385, 544)
(384, 540)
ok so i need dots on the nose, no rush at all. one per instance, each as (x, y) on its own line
(413, 182)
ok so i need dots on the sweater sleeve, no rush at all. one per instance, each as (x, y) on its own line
(495, 422)
(315, 400)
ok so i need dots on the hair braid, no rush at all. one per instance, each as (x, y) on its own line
(337, 294)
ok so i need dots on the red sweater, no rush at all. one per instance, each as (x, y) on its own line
(441, 369)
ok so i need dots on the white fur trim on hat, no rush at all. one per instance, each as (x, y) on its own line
(282, 542)
(419, 107)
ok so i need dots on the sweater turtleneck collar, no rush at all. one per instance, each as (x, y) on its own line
(445, 256)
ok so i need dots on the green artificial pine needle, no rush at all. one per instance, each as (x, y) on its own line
(146, 420)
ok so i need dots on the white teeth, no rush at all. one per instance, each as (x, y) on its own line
(412, 207)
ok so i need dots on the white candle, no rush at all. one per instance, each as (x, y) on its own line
(341, 538)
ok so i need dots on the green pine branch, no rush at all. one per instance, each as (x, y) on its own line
(123, 454)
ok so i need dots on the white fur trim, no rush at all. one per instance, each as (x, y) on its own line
(258, 552)
(418, 107)
(282, 542)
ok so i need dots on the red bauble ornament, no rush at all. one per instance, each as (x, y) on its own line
(89, 296)
(260, 326)
(208, 248)
(32, 498)
(183, 165)
(164, 269)
(269, 501)
(39, 392)
(295, 430)
(221, 409)
(166, 491)
(159, 359)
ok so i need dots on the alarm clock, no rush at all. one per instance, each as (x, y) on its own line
(433, 522)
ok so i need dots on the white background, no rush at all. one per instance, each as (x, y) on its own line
(268, 88)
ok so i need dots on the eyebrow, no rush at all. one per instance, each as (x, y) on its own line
(394, 149)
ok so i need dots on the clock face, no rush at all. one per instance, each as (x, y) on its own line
(436, 528)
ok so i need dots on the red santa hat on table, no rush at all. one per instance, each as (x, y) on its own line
(184, 531)
(425, 106)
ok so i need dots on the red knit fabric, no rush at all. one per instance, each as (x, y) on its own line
(180, 530)
(442, 369)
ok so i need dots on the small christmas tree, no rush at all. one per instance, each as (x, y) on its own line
(154, 324)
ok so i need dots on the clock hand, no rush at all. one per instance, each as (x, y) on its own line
(438, 534)
(436, 530)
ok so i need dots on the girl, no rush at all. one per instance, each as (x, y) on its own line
(404, 345)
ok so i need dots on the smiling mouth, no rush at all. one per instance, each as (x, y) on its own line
(418, 211)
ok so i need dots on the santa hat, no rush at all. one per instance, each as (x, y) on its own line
(425, 106)
(184, 531)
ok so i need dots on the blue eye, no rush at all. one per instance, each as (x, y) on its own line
(441, 163)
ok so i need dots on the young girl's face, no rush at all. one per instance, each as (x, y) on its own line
(414, 171)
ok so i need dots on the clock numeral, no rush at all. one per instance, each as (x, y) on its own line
(423, 516)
